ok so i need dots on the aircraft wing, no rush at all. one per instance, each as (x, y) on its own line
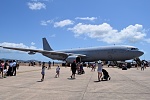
(44, 51)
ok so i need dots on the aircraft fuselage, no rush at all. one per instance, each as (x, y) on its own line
(109, 53)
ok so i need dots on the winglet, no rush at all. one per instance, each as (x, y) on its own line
(46, 45)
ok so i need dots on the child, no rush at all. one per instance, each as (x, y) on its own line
(57, 71)
(43, 71)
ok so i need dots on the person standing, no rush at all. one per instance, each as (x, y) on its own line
(57, 71)
(81, 69)
(43, 71)
(1, 67)
(14, 67)
(93, 67)
(78, 68)
(99, 70)
(73, 69)
(53, 63)
(49, 65)
(40, 63)
(142, 66)
(10, 69)
(5, 68)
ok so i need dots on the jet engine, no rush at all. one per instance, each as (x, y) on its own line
(31, 53)
(70, 59)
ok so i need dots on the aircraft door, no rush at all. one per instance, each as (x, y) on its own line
(78, 59)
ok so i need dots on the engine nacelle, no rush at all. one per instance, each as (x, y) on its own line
(70, 59)
(31, 53)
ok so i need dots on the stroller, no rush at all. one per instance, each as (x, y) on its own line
(105, 75)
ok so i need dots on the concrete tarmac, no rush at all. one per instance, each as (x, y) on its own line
(131, 84)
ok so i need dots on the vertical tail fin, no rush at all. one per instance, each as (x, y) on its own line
(46, 45)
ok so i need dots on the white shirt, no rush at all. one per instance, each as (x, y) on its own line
(100, 67)
(142, 65)
(14, 64)
(57, 69)
(11, 64)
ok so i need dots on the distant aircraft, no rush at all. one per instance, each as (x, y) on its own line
(104, 53)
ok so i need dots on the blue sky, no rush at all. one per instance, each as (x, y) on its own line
(72, 24)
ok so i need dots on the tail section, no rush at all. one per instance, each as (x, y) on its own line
(46, 45)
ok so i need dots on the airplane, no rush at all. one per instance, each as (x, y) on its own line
(90, 54)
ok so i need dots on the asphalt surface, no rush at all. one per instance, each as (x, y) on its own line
(131, 84)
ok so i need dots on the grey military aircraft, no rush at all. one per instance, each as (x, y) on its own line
(90, 54)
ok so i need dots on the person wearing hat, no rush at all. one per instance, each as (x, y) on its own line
(99, 70)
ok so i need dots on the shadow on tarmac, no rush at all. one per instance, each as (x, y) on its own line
(70, 78)
(101, 81)
(39, 81)
(97, 81)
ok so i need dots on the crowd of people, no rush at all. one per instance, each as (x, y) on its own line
(76, 68)
(143, 65)
(8, 68)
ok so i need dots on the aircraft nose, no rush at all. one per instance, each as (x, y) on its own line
(140, 53)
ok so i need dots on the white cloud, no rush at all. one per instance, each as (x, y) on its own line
(20, 45)
(45, 23)
(63, 23)
(104, 32)
(53, 35)
(32, 43)
(86, 18)
(20, 55)
(35, 0)
(106, 20)
(36, 5)
(147, 40)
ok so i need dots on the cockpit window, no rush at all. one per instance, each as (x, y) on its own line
(134, 48)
